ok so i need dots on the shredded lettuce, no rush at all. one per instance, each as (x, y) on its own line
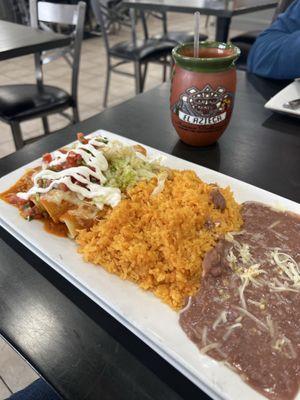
(127, 166)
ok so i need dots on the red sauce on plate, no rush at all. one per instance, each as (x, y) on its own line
(23, 185)
(55, 228)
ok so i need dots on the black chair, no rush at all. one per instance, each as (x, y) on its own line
(19, 103)
(19, 8)
(245, 40)
(140, 52)
(174, 37)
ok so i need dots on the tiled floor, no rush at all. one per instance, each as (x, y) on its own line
(15, 373)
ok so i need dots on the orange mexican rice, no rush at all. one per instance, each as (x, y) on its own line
(159, 241)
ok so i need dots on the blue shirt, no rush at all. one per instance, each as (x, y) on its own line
(276, 52)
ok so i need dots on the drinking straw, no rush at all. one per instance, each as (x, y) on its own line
(196, 34)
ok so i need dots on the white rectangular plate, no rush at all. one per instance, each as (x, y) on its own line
(291, 92)
(141, 312)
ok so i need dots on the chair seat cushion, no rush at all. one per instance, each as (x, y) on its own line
(19, 102)
(247, 37)
(178, 37)
(144, 49)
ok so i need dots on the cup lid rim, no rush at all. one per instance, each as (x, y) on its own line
(207, 44)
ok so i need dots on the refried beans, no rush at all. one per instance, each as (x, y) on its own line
(247, 311)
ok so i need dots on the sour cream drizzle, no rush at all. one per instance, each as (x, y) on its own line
(94, 158)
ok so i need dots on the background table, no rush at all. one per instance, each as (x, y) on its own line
(224, 10)
(19, 40)
(82, 351)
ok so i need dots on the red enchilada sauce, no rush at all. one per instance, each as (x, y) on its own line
(56, 228)
(23, 185)
(247, 311)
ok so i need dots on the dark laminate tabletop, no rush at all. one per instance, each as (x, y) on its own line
(78, 347)
(18, 40)
(222, 8)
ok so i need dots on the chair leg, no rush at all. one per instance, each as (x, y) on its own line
(45, 125)
(144, 76)
(138, 77)
(164, 69)
(17, 134)
(206, 21)
(108, 72)
(75, 114)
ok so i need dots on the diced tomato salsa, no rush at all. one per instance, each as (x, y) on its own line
(73, 160)
(47, 158)
(81, 138)
(30, 208)
(15, 200)
(31, 211)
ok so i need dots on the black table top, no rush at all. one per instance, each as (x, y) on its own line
(82, 351)
(220, 8)
(18, 40)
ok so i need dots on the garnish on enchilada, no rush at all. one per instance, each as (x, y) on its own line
(75, 186)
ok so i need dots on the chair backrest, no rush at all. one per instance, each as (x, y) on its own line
(281, 7)
(21, 10)
(43, 15)
(162, 16)
(109, 13)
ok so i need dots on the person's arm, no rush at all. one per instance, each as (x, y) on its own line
(276, 52)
